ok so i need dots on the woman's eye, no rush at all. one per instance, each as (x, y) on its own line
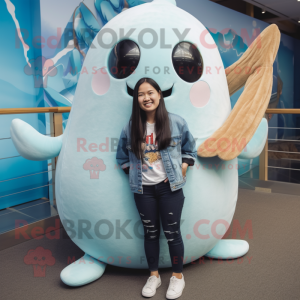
(187, 61)
(123, 59)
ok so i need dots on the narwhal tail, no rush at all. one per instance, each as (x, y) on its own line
(228, 249)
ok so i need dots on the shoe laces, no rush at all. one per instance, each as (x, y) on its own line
(173, 283)
(151, 280)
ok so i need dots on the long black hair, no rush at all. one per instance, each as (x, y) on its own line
(139, 118)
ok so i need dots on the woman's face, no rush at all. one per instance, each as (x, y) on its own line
(148, 97)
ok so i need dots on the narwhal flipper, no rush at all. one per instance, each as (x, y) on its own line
(228, 249)
(31, 144)
(257, 142)
(82, 271)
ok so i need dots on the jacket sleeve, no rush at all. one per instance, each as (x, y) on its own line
(126, 170)
(188, 146)
(122, 155)
(189, 161)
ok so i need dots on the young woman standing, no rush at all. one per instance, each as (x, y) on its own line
(160, 141)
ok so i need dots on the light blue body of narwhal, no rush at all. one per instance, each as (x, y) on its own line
(101, 201)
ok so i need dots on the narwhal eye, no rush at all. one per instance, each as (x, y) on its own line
(187, 61)
(123, 59)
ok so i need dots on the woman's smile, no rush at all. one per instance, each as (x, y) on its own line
(148, 104)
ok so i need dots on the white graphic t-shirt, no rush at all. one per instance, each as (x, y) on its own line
(153, 171)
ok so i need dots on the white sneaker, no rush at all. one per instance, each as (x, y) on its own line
(176, 287)
(151, 285)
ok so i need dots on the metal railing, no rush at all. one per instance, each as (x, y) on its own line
(56, 129)
(52, 221)
(264, 156)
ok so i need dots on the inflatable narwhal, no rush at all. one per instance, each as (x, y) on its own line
(94, 200)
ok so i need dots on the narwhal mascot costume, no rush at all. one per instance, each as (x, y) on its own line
(94, 200)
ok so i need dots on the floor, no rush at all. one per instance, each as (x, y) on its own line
(270, 270)
(30, 212)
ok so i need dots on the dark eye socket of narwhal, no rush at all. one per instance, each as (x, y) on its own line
(123, 59)
(187, 61)
(165, 93)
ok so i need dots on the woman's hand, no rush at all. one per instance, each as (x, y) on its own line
(184, 168)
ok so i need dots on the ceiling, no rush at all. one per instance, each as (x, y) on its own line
(285, 9)
(284, 13)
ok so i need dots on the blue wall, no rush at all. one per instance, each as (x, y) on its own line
(17, 90)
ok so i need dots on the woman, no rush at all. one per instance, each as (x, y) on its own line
(155, 149)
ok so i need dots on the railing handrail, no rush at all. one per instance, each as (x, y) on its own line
(294, 111)
(57, 130)
(34, 110)
(66, 109)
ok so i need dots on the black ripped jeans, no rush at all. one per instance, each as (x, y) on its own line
(159, 202)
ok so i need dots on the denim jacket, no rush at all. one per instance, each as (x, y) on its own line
(182, 146)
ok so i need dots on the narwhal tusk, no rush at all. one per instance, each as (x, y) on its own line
(254, 70)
